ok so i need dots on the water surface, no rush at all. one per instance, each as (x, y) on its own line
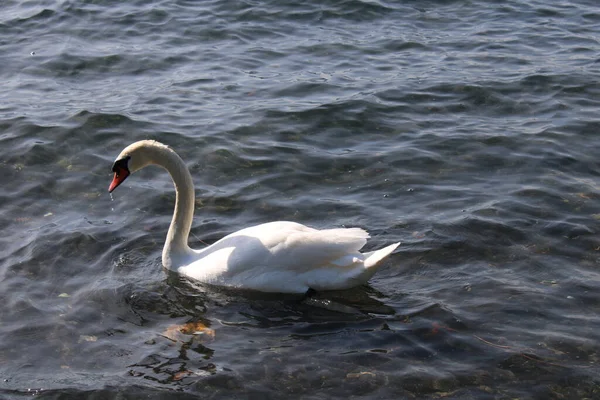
(465, 130)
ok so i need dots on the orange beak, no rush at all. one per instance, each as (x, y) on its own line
(120, 175)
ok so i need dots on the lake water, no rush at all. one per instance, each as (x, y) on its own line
(467, 130)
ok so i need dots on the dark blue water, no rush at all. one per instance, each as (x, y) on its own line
(468, 130)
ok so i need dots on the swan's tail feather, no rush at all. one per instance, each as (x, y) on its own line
(374, 257)
(352, 270)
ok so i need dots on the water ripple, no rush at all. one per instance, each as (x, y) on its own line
(464, 130)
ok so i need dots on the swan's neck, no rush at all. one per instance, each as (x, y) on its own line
(176, 245)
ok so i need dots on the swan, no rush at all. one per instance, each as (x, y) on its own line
(280, 257)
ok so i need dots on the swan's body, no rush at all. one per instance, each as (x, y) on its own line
(282, 256)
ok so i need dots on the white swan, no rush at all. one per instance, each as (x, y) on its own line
(282, 257)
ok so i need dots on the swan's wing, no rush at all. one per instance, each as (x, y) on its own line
(304, 251)
(286, 257)
(278, 245)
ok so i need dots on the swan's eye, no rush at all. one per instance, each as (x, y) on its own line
(121, 164)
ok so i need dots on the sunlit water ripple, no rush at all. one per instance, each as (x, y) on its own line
(465, 130)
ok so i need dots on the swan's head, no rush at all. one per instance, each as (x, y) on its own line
(133, 158)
